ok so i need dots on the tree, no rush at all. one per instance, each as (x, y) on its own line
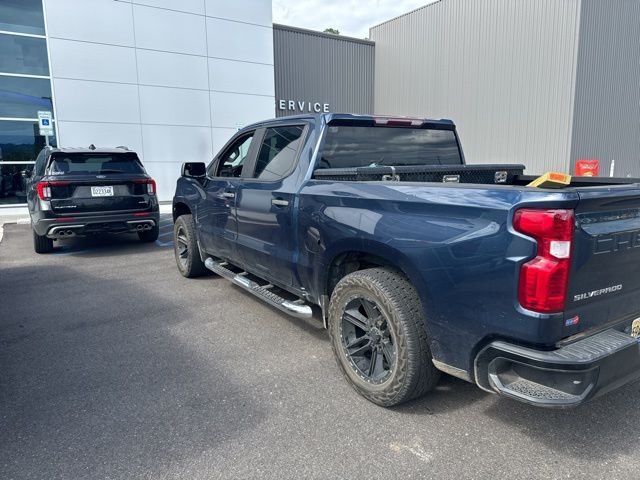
(334, 31)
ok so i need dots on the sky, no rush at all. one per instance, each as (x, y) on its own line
(351, 17)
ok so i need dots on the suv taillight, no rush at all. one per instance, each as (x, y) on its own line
(150, 183)
(543, 280)
(44, 188)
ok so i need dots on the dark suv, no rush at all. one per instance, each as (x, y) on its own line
(85, 191)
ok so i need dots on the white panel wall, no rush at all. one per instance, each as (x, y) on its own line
(189, 6)
(249, 11)
(171, 80)
(92, 61)
(168, 30)
(83, 134)
(234, 76)
(102, 21)
(239, 41)
(174, 106)
(172, 70)
(233, 110)
(82, 101)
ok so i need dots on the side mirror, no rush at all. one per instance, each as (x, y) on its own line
(194, 169)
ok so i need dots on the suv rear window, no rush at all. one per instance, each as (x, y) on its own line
(350, 146)
(94, 163)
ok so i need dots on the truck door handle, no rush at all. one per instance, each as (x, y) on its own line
(229, 195)
(279, 202)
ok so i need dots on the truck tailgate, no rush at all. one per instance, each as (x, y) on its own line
(604, 282)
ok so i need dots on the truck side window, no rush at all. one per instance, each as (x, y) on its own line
(278, 152)
(232, 160)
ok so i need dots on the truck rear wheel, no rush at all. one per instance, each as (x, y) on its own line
(41, 243)
(376, 323)
(185, 248)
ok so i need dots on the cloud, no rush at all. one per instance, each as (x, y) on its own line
(351, 17)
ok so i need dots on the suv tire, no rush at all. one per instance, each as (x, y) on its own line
(185, 248)
(41, 243)
(377, 329)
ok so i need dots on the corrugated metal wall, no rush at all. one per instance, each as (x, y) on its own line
(315, 67)
(503, 70)
(607, 105)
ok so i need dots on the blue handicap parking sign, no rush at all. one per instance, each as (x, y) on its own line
(45, 122)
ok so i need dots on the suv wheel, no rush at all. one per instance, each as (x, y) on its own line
(377, 329)
(41, 243)
(149, 236)
(185, 248)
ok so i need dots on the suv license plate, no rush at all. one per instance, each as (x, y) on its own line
(102, 191)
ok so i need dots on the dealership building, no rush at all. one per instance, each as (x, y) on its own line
(543, 82)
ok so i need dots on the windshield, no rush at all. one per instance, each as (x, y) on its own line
(353, 146)
(94, 163)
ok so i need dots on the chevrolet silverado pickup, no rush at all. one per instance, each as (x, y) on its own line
(420, 263)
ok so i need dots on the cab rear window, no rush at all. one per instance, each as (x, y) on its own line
(94, 163)
(347, 146)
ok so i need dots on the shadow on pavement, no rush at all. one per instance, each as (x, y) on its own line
(601, 429)
(96, 381)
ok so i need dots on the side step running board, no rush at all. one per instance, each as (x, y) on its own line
(295, 308)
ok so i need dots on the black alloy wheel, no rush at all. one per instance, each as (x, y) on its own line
(378, 336)
(182, 247)
(367, 340)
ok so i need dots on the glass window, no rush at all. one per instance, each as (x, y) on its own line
(20, 141)
(26, 55)
(233, 159)
(350, 146)
(23, 97)
(22, 16)
(94, 163)
(38, 169)
(278, 152)
(13, 183)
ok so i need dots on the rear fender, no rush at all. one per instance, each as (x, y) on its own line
(391, 257)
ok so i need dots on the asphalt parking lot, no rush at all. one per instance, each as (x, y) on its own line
(114, 366)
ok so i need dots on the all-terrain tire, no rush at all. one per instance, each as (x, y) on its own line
(149, 236)
(42, 244)
(397, 300)
(185, 248)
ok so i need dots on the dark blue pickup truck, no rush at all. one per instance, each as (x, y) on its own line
(420, 263)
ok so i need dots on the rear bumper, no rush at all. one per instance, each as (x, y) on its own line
(564, 377)
(62, 227)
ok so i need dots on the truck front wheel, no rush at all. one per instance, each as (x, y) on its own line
(185, 248)
(376, 323)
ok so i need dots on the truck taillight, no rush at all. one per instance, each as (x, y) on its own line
(543, 280)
